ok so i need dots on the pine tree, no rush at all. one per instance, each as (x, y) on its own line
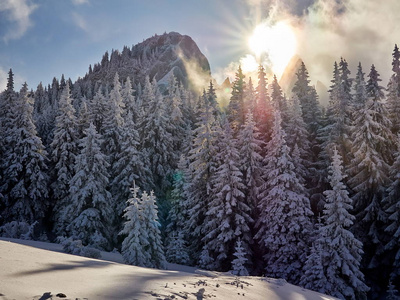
(228, 216)
(309, 103)
(24, 185)
(177, 251)
(155, 247)
(97, 109)
(341, 251)
(65, 149)
(130, 166)
(202, 166)
(238, 264)
(392, 208)
(236, 111)
(393, 96)
(156, 138)
(89, 214)
(279, 101)
(250, 163)
(129, 101)
(263, 111)
(360, 87)
(284, 223)
(135, 244)
(83, 120)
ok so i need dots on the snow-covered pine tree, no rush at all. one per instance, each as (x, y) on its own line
(152, 228)
(284, 223)
(263, 111)
(392, 293)
(112, 123)
(393, 96)
(239, 263)
(83, 120)
(360, 91)
(65, 149)
(298, 141)
(130, 166)
(156, 139)
(89, 214)
(176, 250)
(279, 101)
(24, 184)
(372, 144)
(97, 110)
(314, 277)
(250, 161)
(228, 215)
(202, 166)
(391, 204)
(135, 244)
(129, 101)
(236, 113)
(311, 111)
(341, 251)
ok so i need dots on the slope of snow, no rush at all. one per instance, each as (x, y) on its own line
(37, 270)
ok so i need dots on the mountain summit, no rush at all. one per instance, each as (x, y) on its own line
(157, 57)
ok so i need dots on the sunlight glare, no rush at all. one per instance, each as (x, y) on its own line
(277, 41)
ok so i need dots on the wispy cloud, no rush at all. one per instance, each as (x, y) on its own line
(80, 2)
(18, 12)
(80, 21)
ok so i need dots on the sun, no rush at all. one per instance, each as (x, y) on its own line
(277, 42)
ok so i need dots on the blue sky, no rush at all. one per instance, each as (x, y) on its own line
(42, 39)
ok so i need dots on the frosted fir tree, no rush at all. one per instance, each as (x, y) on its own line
(228, 216)
(202, 166)
(89, 214)
(393, 95)
(238, 264)
(341, 251)
(156, 137)
(372, 147)
(129, 101)
(392, 293)
(152, 227)
(262, 113)
(250, 161)
(392, 208)
(130, 166)
(284, 223)
(360, 91)
(97, 110)
(65, 149)
(236, 111)
(113, 122)
(83, 119)
(311, 111)
(176, 250)
(279, 101)
(314, 277)
(135, 244)
(24, 184)
(298, 140)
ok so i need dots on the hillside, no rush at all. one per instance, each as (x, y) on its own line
(28, 272)
(156, 57)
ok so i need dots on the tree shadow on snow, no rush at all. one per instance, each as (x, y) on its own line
(70, 265)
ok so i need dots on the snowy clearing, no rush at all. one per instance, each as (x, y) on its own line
(38, 270)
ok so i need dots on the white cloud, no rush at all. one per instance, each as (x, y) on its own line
(326, 30)
(80, 2)
(80, 21)
(3, 79)
(18, 12)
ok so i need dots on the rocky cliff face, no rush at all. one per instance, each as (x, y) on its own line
(157, 57)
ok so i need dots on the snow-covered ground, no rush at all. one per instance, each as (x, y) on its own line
(37, 270)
